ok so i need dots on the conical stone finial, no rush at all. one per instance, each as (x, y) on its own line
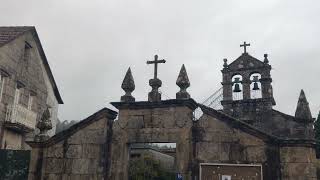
(128, 86)
(183, 82)
(44, 125)
(303, 110)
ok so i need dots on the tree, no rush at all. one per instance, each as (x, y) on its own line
(317, 135)
(64, 125)
(146, 168)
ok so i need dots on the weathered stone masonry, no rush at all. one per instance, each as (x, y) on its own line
(81, 152)
(246, 132)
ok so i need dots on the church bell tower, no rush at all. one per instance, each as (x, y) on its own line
(247, 89)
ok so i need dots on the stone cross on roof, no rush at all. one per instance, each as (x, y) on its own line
(244, 45)
(155, 83)
(156, 62)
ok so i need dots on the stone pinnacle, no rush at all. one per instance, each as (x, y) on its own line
(183, 82)
(128, 86)
(303, 109)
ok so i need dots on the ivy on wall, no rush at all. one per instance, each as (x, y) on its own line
(14, 164)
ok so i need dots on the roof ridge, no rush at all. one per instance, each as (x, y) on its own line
(17, 26)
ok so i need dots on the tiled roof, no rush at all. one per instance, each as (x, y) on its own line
(10, 33)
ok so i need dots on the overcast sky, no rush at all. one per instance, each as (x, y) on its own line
(90, 44)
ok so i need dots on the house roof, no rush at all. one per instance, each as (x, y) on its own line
(8, 34)
(105, 112)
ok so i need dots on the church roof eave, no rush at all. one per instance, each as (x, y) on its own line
(235, 123)
(269, 138)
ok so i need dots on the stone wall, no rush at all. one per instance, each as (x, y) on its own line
(83, 154)
(29, 71)
(221, 143)
(298, 163)
(218, 142)
(286, 126)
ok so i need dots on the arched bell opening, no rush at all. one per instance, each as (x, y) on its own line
(255, 86)
(237, 87)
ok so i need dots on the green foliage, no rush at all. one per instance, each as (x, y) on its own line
(61, 126)
(317, 134)
(146, 168)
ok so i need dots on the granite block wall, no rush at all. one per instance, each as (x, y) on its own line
(79, 156)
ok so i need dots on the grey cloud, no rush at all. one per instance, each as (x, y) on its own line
(90, 45)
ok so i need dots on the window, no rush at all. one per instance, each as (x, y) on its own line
(27, 49)
(1, 86)
(27, 55)
(30, 101)
(16, 96)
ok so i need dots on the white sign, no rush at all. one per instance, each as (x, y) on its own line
(225, 177)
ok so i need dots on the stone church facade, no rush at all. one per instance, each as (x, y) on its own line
(247, 139)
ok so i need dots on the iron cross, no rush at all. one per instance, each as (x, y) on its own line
(155, 62)
(244, 45)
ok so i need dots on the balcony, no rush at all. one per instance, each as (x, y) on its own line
(20, 118)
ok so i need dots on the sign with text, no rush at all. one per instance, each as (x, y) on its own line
(215, 171)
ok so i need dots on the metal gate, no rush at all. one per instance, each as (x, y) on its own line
(14, 164)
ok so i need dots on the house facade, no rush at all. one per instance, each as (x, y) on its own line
(27, 86)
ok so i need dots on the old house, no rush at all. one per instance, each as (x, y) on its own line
(246, 139)
(27, 86)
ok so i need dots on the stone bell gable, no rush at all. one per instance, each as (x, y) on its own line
(239, 80)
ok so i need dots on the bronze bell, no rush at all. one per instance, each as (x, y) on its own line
(237, 88)
(255, 84)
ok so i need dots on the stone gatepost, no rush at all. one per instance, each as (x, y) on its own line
(168, 121)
